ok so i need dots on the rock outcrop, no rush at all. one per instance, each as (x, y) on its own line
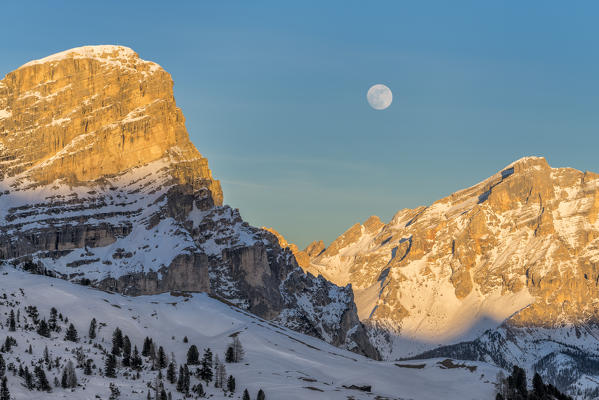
(522, 245)
(100, 184)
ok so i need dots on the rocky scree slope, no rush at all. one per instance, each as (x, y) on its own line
(101, 184)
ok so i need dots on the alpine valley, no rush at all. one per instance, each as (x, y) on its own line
(114, 238)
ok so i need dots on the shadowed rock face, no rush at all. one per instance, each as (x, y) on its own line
(523, 242)
(100, 182)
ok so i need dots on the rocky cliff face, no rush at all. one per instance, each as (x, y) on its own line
(522, 245)
(101, 184)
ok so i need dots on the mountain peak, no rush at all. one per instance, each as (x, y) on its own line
(97, 52)
(91, 112)
(539, 163)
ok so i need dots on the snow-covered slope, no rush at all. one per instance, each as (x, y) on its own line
(284, 363)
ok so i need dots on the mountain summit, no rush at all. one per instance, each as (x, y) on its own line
(94, 111)
(101, 185)
(522, 245)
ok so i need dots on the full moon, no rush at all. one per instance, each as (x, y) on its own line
(379, 97)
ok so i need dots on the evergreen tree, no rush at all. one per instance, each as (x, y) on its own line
(181, 380)
(145, 351)
(117, 342)
(231, 384)
(4, 392)
(246, 395)
(152, 355)
(171, 373)
(199, 390)
(63, 380)
(115, 393)
(46, 355)
(206, 368)
(42, 381)
(110, 366)
(126, 351)
(28, 379)
(88, 367)
(186, 382)
(261, 395)
(43, 329)
(11, 321)
(136, 359)
(162, 359)
(2, 366)
(518, 381)
(538, 386)
(71, 334)
(92, 329)
(52, 320)
(163, 394)
(9, 343)
(229, 355)
(32, 313)
(193, 355)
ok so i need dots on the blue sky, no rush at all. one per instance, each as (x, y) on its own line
(274, 93)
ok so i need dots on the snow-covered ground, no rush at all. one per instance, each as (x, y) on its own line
(285, 364)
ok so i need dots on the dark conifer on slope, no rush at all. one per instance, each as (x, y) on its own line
(206, 368)
(71, 334)
(136, 361)
(52, 321)
(184, 380)
(92, 329)
(193, 355)
(110, 366)
(43, 329)
(181, 380)
(171, 373)
(11, 321)
(231, 384)
(4, 392)
(42, 381)
(126, 351)
(117, 342)
(261, 395)
(145, 351)
(87, 370)
(162, 360)
(246, 395)
(199, 390)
